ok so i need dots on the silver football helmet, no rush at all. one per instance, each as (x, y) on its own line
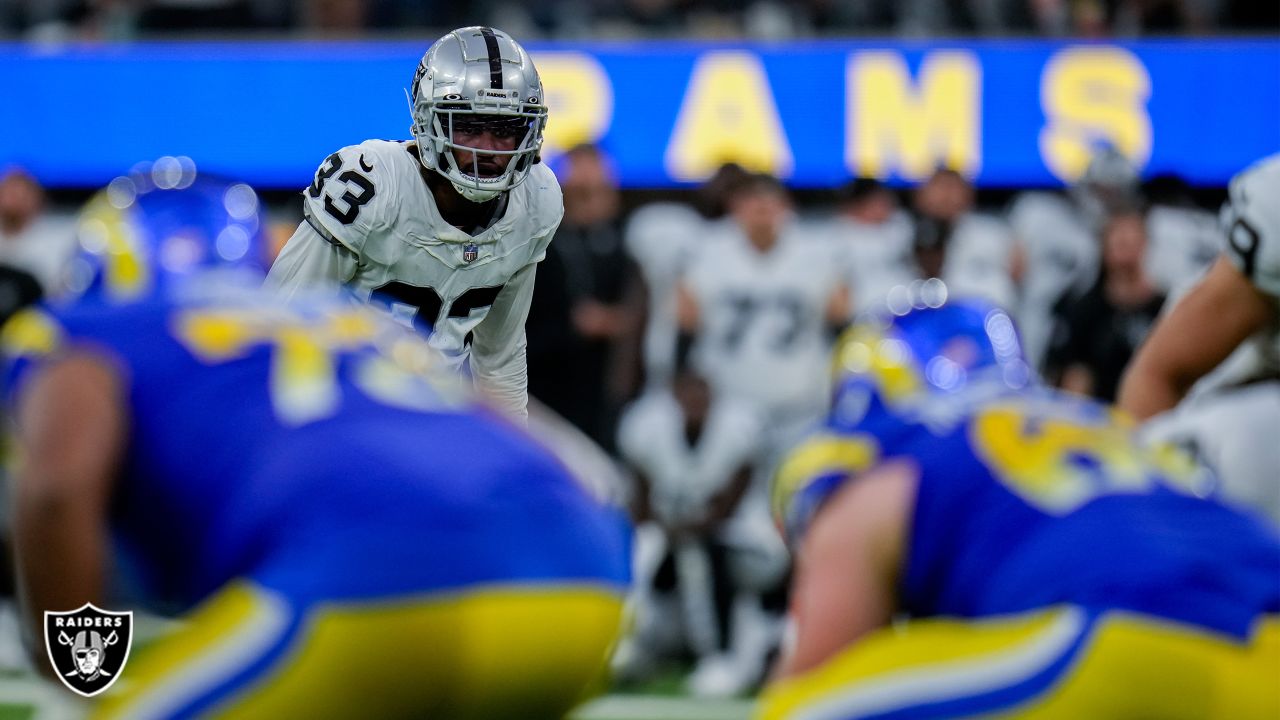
(1109, 183)
(477, 78)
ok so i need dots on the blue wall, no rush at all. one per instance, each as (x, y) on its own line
(1006, 112)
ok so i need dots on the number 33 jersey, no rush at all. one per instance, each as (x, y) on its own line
(382, 233)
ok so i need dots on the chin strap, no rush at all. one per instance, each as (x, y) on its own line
(475, 194)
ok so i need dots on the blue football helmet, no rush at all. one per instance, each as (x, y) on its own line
(917, 366)
(899, 361)
(162, 223)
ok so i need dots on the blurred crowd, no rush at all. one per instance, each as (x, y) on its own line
(599, 19)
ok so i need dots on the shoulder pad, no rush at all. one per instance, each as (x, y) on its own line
(352, 194)
(1251, 221)
(545, 200)
(813, 471)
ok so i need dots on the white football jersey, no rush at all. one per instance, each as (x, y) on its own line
(978, 260)
(1233, 432)
(1181, 244)
(660, 237)
(379, 230)
(873, 258)
(762, 333)
(651, 439)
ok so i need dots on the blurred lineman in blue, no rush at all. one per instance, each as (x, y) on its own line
(1039, 562)
(344, 533)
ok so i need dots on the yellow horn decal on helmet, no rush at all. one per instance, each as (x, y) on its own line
(125, 272)
(31, 332)
(819, 456)
(865, 351)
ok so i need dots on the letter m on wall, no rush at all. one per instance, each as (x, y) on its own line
(899, 125)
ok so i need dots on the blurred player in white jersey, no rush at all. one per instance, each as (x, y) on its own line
(446, 228)
(1058, 237)
(872, 238)
(692, 455)
(759, 298)
(972, 252)
(1185, 238)
(661, 237)
(1234, 308)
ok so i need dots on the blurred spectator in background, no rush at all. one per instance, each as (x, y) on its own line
(341, 17)
(31, 239)
(584, 321)
(1104, 327)
(1247, 15)
(1057, 237)
(872, 238)
(197, 15)
(973, 253)
(766, 19)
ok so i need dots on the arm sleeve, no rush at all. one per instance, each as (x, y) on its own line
(498, 347)
(310, 260)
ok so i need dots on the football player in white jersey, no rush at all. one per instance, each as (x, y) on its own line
(872, 237)
(692, 455)
(1235, 305)
(660, 237)
(446, 228)
(759, 296)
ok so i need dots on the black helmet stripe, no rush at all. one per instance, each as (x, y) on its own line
(495, 58)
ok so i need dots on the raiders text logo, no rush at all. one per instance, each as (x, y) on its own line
(88, 647)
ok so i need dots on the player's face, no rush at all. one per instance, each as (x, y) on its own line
(1125, 242)
(760, 212)
(486, 133)
(19, 196)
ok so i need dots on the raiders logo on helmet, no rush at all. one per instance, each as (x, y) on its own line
(88, 647)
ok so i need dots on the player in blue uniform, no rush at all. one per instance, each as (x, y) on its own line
(970, 543)
(344, 533)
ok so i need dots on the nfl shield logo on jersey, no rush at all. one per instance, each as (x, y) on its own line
(88, 647)
(470, 252)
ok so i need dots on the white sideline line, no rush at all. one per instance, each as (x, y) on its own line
(657, 707)
(48, 701)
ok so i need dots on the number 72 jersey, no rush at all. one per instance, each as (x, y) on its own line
(371, 203)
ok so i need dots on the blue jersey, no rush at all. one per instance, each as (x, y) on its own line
(1030, 499)
(306, 448)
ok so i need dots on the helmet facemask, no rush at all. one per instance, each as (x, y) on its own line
(441, 121)
(464, 85)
